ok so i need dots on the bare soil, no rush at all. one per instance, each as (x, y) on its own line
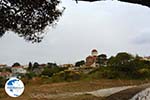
(36, 91)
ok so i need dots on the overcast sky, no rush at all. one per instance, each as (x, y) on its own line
(110, 27)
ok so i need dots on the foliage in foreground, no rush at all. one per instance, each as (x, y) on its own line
(28, 18)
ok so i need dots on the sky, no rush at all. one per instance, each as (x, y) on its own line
(108, 26)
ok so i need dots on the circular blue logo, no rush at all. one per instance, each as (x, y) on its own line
(14, 87)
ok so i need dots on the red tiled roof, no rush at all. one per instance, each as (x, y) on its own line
(94, 50)
(3, 65)
(4, 73)
(148, 57)
(43, 65)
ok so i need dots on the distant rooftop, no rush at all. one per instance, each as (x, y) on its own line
(94, 50)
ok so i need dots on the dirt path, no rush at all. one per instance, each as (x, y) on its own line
(109, 91)
(143, 95)
(97, 93)
(97, 90)
(115, 93)
(128, 93)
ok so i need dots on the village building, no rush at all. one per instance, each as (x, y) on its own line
(3, 65)
(25, 66)
(18, 70)
(6, 75)
(92, 59)
(146, 58)
(67, 65)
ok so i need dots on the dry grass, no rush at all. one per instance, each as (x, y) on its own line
(81, 97)
(43, 90)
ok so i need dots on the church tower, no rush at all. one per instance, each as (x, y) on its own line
(92, 59)
(94, 53)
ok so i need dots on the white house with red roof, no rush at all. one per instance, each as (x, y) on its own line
(18, 70)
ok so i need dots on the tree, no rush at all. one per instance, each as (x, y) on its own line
(124, 57)
(2, 82)
(50, 71)
(102, 59)
(28, 18)
(16, 64)
(50, 65)
(80, 63)
(120, 59)
(30, 66)
(8, 70)
(141, 2)
(123, 65)
(30, 75)
(35, 65)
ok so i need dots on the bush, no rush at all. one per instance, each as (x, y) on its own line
(66, 76)
(51, 71)
(143, 73)
(103, 72)
(30, 75)
(2, 82)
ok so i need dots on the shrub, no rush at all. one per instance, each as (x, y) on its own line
(66, 76)
(30, 75)
(2, 82)
(143, 73)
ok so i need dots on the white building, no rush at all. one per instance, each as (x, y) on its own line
(146, 58)
(18, 70)
(25, 66)
(94, 52)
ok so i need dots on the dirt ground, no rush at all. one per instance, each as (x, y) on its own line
(36, 91)
(127, 94)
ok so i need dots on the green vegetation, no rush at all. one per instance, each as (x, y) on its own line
(16, 64)
(50, 71)
(102, 60)
(66, 76)
(79, 63)
(16, 16)
(123, 66)
(30, 75)
(2, 82)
